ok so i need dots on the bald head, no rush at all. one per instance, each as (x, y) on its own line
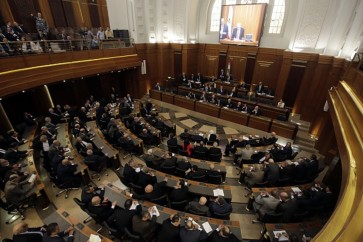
(89, 152)
(20, 228)
(284, 196)
(96, 200)
(202, 200)
(149, 188)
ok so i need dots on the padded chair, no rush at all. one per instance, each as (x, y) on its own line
(16, 211)
(173, 149)
(294, 154)
(180, 206)
(168, 170)
(113, 231)
(299, 217)
(179, 172)
(136, 188)
(201, 178)
(215, 179)
(97, 220)
(283, 182)
(83, 206)
(200, 155)
(61, 186)
(133, 236)
(163, 200)
(97, 171)
(224, 216)
(182, 152)
(215, 157)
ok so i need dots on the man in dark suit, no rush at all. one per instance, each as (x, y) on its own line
(65, 173)
(201, 150)
(95, 161)
(220, 206)
(198, 208)
(180, 192)
(170, 161)
(191, 233)
(196, 174)
(185, 135)
(223, 33)
(22, 233)
(88, 192)
(55, 235)
(214, 149)
(158, 87)
(169, 230)
(151, 191)
(124, 216)
(222, 234)
(146, 177)
(260, 88)
(287, 207)
(14, 155)
(220, 90)
(271, 140)
(256, 111)
(229, 104)
(130, 173)
(145, 225)
(272, 173)
(183, 78)
(19, 29)
(238, 32)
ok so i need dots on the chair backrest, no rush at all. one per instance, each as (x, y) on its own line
(168, 170)
(215, 157)
(179, 172)
(200, 155)
(215, 179)
(180, 205)
(224, 216)
(132, 236)
(200, 178)
(173, 149)
(136, 188)
(81, 204)
(182, 152)
(163, 200)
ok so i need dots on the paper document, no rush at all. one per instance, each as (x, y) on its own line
(94, 238)
(155, 212)
(218, 192)
(207, 227)
(295, 189)
(32, 178)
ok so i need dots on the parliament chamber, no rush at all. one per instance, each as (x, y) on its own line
(125, 120)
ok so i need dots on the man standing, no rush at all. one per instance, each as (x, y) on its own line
(223, 34)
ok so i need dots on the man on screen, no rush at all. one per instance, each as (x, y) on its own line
(238, 32)
(223, 34)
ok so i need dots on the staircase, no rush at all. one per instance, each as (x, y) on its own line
(303, 140)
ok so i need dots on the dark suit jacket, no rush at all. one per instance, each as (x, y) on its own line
(192, 235)
(145, 179)
(104, 210)
(260, 89)
(215, 237)
(287, 209)
(130, 174)
(241, 33)
(123, 218)
(144, 228)
(272, 173)
(168, 232)
(214, 150)
(221, 209)
(58, 238)
(87, 197)
(14, 156)
(159, 190)
(180, 194)
(196, 208)
(224, 33)
(28, 237)
(66, 174)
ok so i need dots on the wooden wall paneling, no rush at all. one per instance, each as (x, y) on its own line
(318, 90)
(93, 6)
(292, 84)
(21, 11)
(60, 90)
(103, 13)
(267, 66)
(211, 65)
(190, 58)
(238, 67)
(177, 64)
(69, 13)
(6, 12)
(283, 76)
(18, 101)
(4, 120)
(222, 63)
(201, 51)
(41, 99)
(56, 7)
(77, 13)
(251, 60)
(46, 12)
(86, 17)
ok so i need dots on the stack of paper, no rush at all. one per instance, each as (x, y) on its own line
(207, 227)
(295, 189)
(94, 238)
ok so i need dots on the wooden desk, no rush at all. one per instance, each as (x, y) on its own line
(29, 167)
(65, 220)
(234, 116)
(116, 194)
(202, 164)
(63, 138)
(167, 97)
(258, 122)
(155, 94)
(136, 140)
(154, 130)
(101, 143)
(184, 102)
(308, 229)
(284, 129)
(207, 108)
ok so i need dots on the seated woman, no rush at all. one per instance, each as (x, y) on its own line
(187, 147)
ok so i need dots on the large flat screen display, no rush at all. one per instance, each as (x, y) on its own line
(242, 24)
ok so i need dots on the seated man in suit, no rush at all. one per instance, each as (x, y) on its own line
(222, 234)
(222, 75)
(88, 192)
(145, 224)
(271, 140)
(201, 150)
(220, 90)
(180, 191)
(203, 98)
(256, 111)
(158, 87)
(196, 174)
(184, 164)
(131, 171)
(213, 100)
(265, 203)
(185, 135)
(260, 88)
(65, 173)
(104, 209)
(95, 162)
(169, 230)
(17, 191)
(146, 177)
(219, 206)
(198, 208)
(14, 138)
(124, 216)
(245, 109)
(238, 32)
(13, 155)
(287, 207)
(272, 173)
(54, 234)
(231, 146)
(169, 161)
(212, 172)
(238, 107)
(183, 78)
(229, 104)
(214, 150)
(151, 191)
(192, 232)
(22, 233)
